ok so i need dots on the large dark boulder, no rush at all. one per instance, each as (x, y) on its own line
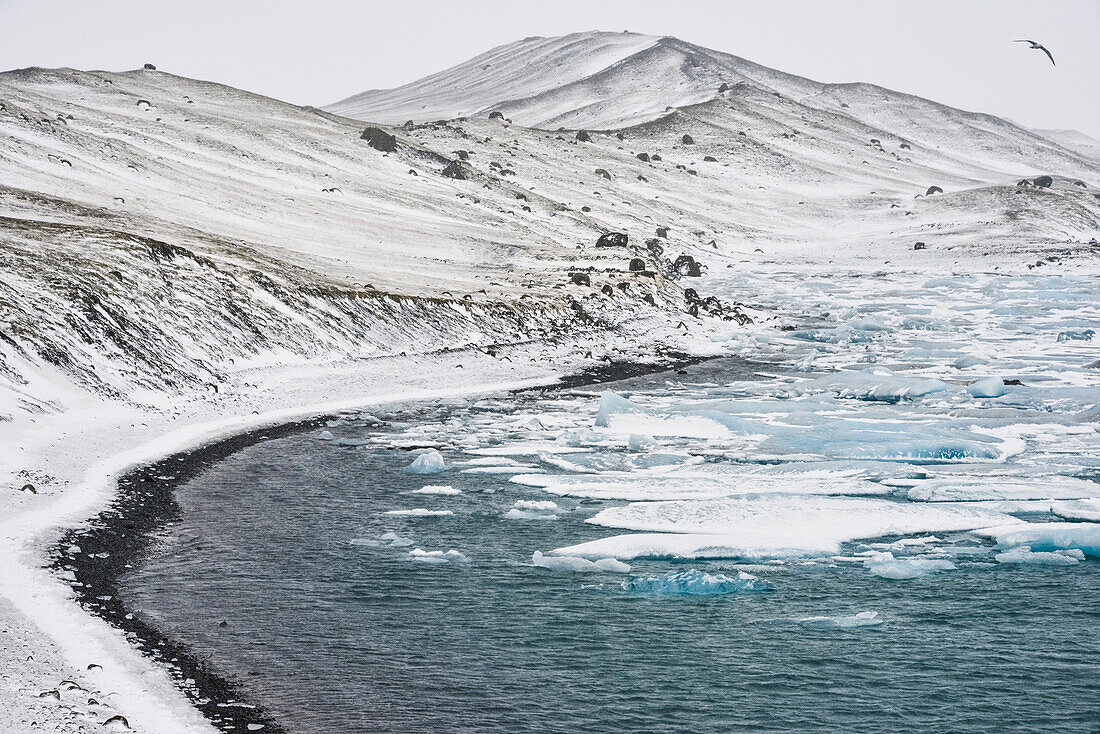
(456, 171)
(643, 157)
(612, 239)
(687, 140)
(580, 279)
(637, 265)
(379, 139)
(933, 190)
(709, 159)
(496, 115)
(1043, 182)
(149, 67)
(603, 172)
(662, 232)
(724, 88)
(1023, 182)
(686, 267)
(583, 137)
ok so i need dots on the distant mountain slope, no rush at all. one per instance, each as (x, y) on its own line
(601, 80)
(1074, 140)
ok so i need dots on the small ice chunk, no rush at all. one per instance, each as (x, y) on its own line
(394, 540)
(541, 505)
(694, 583)
(443, 489)
(991, 387)
(326, 436)
(429, 462)
(418, 512)
(1083, 335)
(578, 565)
(889, 567)
(1087, 510)
(612, 403)
(969, 360)
(533, 510)
(640, 442)
(863, 619)
(437, 556)
(1024, 555)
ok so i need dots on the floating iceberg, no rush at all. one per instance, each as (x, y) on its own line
(326, 436)
(429, 462)
(442, 489)
(991, 387)
(889, 567)
(533, 510)
(1076, 336)
(423, 556)
(863, 619)
(694, 583)
(1023, 554)
(394, 540)
(612, 403)
(578, 565)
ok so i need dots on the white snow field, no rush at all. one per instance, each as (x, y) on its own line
(181, 261)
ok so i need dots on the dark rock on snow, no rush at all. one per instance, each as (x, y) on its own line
(496, 115)
(149, 67)
(919, 246)
(379, 139)
(612, 239)
(637, 265)
(685, 266)
(933, 190)
(604, 173)
(580, 279)
(643, 157)
(687, 140)
(456, 171)
(1044, 182)
(583, 137)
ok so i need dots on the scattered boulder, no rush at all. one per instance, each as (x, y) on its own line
(409, 125)
(1023, 182)
(586, 209)
(1044, 182)
(1082, 184)
(583, 137)
(149, 67)
(643, 157)
(580, 279)
(724, 88)
(619, 135)
(496, 115)
(637, 265)
(654, 246)
(607, 290)
(709, 159)
(687, 140)
(28, 488)
(612, 239)
(686, 267)
(655, 157)
(463, 155)
(650, 299)
(662, 232)
(933, 190)
(604, 173)
(919, 246)
(456, 171)
(379, 139)
(905, 146)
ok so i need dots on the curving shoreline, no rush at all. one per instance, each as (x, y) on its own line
(143, 503)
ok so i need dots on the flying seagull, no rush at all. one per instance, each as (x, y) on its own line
(1038, 46)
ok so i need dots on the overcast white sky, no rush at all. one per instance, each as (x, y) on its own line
(316, 52)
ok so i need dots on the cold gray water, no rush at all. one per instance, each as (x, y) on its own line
(869, 524)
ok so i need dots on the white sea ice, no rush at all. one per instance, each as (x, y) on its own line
(578, 565)
(537, 505)
(1088, 509)
(418, 512)
(1023, 554)
(991, 387)
(441, 489)
(533, 510)
(862, 619)
(889, 567)
(429, 462)
(437, 556)
(1048, 536)
(998, 487)
(326, 436)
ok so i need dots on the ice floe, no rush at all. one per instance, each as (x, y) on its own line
(1048, 536)
(419, 512)
(575, 564)
(889, 567)
(1024, 554)
(1087, 509)
(693, 582)
(862, 619)
(440, 489)
(437, 556)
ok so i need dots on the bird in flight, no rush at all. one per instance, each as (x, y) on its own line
(1039, 47)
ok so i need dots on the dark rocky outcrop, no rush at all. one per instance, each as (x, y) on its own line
(686, 267)
(655, 157)
(919, 246)
(149, 67)
(1043, 182)
(607, 290)
(496, 115)
(604, 173)
(643, 157)
(1023, 182)
(724, 88)
(619, 135)
(379, 139)
(637, 265)
(583, 137)
(456, 171)
(709, 159)
(906, 146)
(687, 140)
(662, 232)
(654, 246)
(933, 190)
(612, 239)
(580, 279)
(463, 155)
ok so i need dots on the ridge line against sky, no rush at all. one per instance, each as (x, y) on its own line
(960, 54)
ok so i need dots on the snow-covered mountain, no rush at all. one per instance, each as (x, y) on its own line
(161, 233)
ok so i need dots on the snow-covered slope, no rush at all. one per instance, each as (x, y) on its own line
(1074, 140)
